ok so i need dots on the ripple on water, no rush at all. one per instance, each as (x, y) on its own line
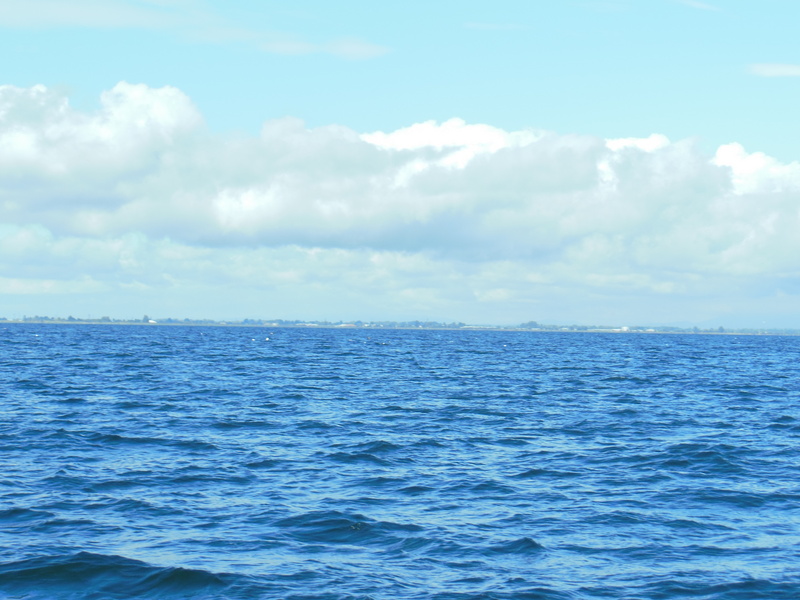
(206, 462)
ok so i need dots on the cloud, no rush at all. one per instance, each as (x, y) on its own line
(698, 5)
(349, 48)
(449, 220)
(495, 26)
(190, 19)
(97, 13)
(756, 172)
(649, 144)
(774, 70)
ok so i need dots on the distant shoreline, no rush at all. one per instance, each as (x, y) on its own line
(405, 326)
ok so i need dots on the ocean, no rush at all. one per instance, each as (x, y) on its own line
(178, 462)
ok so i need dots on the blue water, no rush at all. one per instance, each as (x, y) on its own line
(213, 462)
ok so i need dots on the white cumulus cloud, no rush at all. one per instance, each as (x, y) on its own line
(190, 19)
(775, 70)
(438, 220)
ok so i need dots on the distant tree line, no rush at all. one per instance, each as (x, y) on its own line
(527, 326)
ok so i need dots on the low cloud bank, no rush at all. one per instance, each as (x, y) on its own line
(440, 217)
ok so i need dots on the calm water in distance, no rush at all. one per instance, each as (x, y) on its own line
(213, 462)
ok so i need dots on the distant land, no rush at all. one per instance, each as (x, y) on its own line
(528, 326)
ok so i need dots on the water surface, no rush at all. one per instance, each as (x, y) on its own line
(212, 462)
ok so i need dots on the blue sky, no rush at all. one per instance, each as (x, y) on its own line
(609, 68)
(223, 159)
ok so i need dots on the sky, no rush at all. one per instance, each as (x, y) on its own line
(622, 162)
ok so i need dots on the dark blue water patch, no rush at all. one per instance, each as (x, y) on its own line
(415, 490)
(88, 575)
(748, 589)
(333, 527)
(524, 546)
(546, 473)
(531, 593)
(23, 516)
(377, 447)
(111, 439)
(212, 463)
(265, 463)
(356, 457)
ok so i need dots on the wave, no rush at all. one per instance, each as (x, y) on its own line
(23, 516)
(357, 457)
(524, 545)
(89, 575)
(334, 527)
(536, 593)
(749, 589)
(563, 467)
